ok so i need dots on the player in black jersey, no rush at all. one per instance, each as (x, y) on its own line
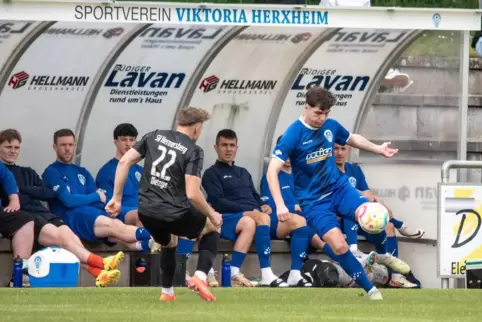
(171, 203)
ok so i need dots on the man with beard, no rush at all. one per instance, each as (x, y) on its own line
(81, 204)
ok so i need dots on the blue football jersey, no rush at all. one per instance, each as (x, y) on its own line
(310, 151)
(356, 177)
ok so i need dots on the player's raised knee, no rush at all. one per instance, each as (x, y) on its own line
(260, 218)
(246, 224)
(296, 221)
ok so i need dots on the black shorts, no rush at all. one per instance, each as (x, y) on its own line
(190, 225)
(11, 222)
(43, 218)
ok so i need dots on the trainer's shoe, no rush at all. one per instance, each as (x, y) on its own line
(239, 280)
(407, 232)
(155, 247)
(400, 281)
(394, 263)
(200, 287)
(166, 297)
(358, 253)
(368, 260)
(375, 294)
(211, 279)
(112, 262)
(106, 278)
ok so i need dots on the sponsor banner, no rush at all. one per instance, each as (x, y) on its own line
(11, 33)
(228, 14)
(145, 85)
(460, 223)
(346, 65)
(47, 94)
(239, 87)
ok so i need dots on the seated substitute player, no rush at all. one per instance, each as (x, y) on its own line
(125, 136)
(50, 230)
(323, 191)
(171, 203)
(15, 225)
(81, 204)
(231, 191)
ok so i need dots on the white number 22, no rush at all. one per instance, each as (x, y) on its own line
(164, 152)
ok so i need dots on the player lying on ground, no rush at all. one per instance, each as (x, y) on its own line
(81, 204)
(323, 191)
(231, 191)
(125, 136)
(171, 203)
(47, 230)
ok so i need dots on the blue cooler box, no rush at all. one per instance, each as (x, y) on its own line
(53, 267)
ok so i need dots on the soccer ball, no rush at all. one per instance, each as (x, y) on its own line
(373, 217)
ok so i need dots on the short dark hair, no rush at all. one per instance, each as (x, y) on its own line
(227, 134)
(61, 133)
(9, 135)
(319, 97)
(192, 115)
(125, 129)
(279, 139)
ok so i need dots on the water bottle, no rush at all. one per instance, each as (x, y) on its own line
(226, 272)
(18, 272)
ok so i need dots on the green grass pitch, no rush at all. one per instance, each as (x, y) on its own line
(234, 304)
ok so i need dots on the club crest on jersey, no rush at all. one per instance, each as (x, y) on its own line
(328, 135)
(138, 175)
(81, 179)
(352, 181)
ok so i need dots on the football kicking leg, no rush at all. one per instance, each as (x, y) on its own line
(262, 241)
(301, 236)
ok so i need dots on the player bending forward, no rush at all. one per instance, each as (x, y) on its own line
(171, 203)
(323, 191)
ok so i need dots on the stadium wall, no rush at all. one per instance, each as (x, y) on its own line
(90, 77)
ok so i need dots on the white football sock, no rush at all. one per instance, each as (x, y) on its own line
(211, 271)
(267, 275)
(354, 247)
(234, 271)
(168, 290)
(202, 276)
(294, 277)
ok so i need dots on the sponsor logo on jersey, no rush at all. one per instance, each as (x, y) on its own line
(319, 155)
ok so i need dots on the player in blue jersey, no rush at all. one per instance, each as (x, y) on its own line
(81, 204)
(357, 179)
(125, 136)
(323, 191)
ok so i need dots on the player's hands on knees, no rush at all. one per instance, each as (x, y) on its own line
(216, 219)
(102, 196)
(283, 213)
(113, 208)
(266, 209)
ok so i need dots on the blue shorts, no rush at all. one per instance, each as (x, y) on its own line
(82, 219)
(228, 228)
(230, 221)
(123, 213)
(343, 202)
